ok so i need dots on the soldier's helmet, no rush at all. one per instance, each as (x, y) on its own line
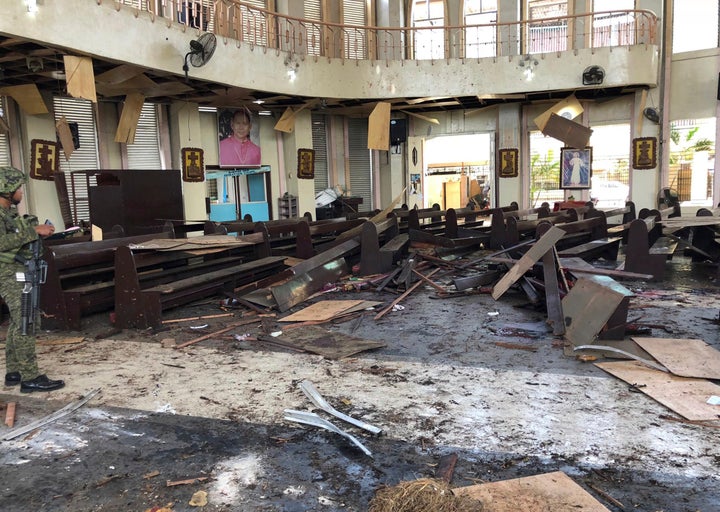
(11, 179)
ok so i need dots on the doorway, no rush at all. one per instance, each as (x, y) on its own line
(458, 170)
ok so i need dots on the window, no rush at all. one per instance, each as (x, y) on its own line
(692, 160)
(550, 35)
(544, 170)
(428, 42)
(613, 28)
(480, 41)
(354, 39)
(252, 24)
(313, 33)
(4, 138)
(695, 25)
(144, 153)
(319, 139)
(85, 157)
(360, 165)
(610, 182)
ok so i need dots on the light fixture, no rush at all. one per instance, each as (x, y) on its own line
(32, 7)
(593, 75)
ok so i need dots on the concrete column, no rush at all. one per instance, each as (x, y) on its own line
(185, 132)
(508, 136)
(301, 137)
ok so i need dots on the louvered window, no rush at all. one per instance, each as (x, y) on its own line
(319, 138)
(360, 164)
(4, 138)
(144, 153)
(254, 23)
(85, 157)
(354, 39)
(313, 33)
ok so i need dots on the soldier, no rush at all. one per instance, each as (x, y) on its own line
(15, 233)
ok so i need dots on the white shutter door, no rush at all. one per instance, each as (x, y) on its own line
(360, 166)
(355, 40)
(84, 158)
(319, 138)
(144, 153)
(4, 138)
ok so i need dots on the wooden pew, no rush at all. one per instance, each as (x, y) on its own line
(80, 279)
(148, 282)
(381, 246)
(647, 251)
(588, 238)
(139, 301)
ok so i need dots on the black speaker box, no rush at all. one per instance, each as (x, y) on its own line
(398, 131)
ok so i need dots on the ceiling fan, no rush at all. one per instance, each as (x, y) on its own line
(201, 49)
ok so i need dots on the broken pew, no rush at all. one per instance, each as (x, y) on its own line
(149, 282)
(80, 279)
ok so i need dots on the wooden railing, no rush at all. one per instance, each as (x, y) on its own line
(245, 24)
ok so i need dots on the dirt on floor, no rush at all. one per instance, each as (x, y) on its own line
(461, 375)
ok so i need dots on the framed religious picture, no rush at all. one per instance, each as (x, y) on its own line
(306, 164)
(193, 165)
(238, 139)
(45, 160)
(575, 168)
(508, 163)
(644, 153)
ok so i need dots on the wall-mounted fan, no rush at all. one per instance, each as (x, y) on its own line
(652, 114)
(201, 49)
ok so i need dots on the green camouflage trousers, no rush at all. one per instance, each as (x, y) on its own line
(19, 350)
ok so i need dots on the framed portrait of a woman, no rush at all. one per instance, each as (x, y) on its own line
(575, 168)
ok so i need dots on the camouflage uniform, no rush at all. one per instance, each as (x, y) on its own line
(15, 232)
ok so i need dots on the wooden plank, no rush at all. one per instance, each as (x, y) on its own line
(684, 357)
(543, 245)
(28, 97)
(379, 127)
(80, 77)
(588, 307)
(129, 118)
(685, 396)
(552, 293)
(323, 310)
(550, 492)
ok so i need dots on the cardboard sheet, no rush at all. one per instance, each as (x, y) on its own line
(687, 397)
(551, 492)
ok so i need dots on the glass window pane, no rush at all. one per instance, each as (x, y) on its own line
(695, 25)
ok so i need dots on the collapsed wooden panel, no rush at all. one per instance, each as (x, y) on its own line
(551, 492)
(687, 397)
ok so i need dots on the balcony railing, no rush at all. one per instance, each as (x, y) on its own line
(245, 24)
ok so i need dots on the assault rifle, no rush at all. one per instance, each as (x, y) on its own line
(34, 275)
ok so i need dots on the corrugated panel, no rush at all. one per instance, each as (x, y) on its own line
(4, 138)
(360, 162)
(85, 157)
(319, 138)
(144, 153)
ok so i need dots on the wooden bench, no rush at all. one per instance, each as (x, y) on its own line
(80, 279)
(589, 238)
(646, 251)
(147, 282)
(381, 246)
